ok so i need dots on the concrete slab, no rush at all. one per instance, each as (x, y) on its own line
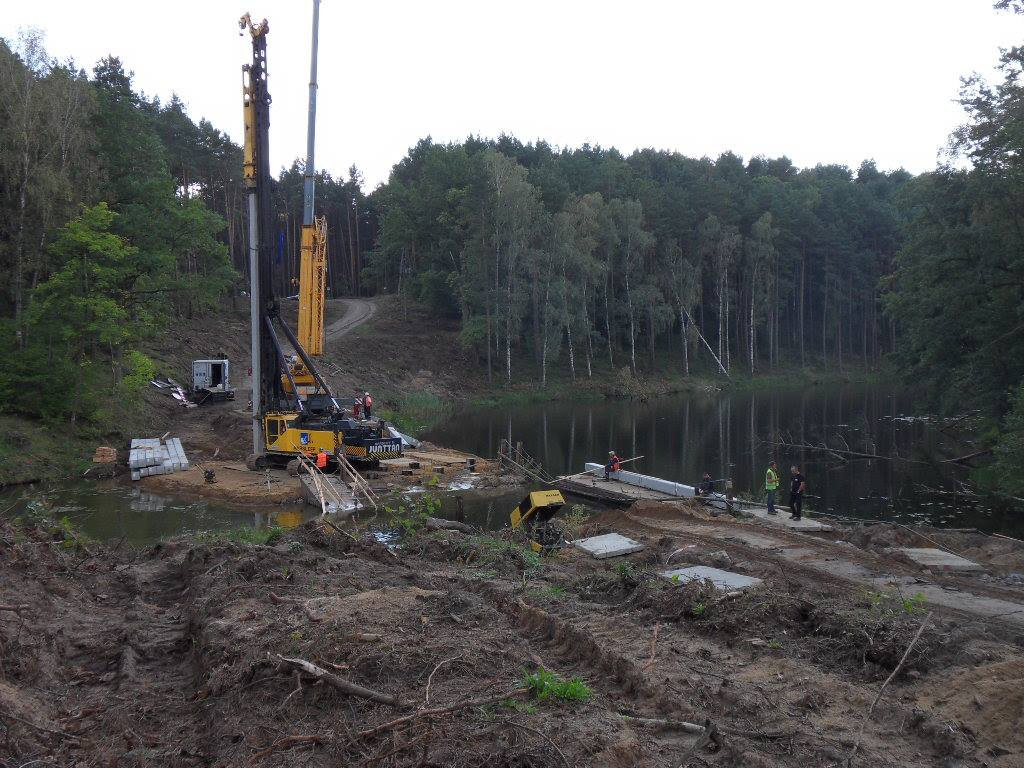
(608, 545)
(989, 607)
(726, 580)
(938, 560)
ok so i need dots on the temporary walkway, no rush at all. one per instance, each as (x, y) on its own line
(624, 488)
(339, 494)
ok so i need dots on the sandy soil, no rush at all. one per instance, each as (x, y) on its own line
(233, 483)
(174, 656)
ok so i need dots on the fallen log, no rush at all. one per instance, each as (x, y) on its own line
(968, 457)
(464, 704)
(287, 742)
(839, 454)
(685, 727)
(321, 674)
(666, 725)
(436, 523)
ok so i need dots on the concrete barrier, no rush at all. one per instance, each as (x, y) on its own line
(644, 481)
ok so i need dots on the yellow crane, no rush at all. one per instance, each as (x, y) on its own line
(291, 415)
(313, 245)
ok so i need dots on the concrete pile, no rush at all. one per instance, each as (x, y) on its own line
(151, 456)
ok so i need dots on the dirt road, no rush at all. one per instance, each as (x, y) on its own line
(355, 313)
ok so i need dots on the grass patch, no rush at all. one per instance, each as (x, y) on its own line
(412, 519)
(34, 450)
(493, 549)
(545, 685)
(885, 603)
(808, 376)
(243, 534)
(415, 412)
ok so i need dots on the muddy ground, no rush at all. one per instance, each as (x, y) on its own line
(174, 656)
(427, 467)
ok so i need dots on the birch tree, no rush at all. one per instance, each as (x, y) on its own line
(634, 240)
(516, 210)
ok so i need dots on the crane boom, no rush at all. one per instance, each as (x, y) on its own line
(313, 248)
(294, 410)
(266, 380)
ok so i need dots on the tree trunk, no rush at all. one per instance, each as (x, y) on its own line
(710, 350)
(824, 320)
(725, 283)
(683, 339)
(572, 357)
(545, 334)
(803, 263)
(490, 375)
(608, 325)
(535, 297)
(632, 326)
(751, 332)
(19, 253)
(586, 325)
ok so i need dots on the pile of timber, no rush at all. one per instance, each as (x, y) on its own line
(156, 456)
(104, 455)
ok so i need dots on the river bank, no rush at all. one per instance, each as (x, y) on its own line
(413, 363)
(324, 645)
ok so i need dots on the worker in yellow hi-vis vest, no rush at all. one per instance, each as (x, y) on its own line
(771, 485)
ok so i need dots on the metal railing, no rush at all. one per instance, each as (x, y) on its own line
(514, 457)
(325, 491)
(356, 482)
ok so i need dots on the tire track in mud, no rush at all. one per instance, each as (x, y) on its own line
(580, 648)
(157, 672)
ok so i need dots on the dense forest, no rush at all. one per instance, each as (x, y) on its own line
(119, 212)
(584, 255)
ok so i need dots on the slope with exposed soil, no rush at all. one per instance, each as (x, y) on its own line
(177, 656)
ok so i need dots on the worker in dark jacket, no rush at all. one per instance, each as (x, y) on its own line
(797, 488)
(707, 485)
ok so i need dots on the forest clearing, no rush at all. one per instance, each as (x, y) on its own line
(326, 644)
(290, 455)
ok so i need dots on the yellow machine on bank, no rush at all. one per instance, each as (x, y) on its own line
(534, 516)
(294, 410)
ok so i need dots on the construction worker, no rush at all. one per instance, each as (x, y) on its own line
(796, 492)
(771, 485)
(321, 459)
(613, 465)
(357, 406)
(367, 405)
(707, 485)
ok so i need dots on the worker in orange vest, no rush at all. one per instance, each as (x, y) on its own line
(367, 405)
(613, 465)
(321, 459)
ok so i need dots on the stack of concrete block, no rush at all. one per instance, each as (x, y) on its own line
(151, 456)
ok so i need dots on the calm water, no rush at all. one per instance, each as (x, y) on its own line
(110, 511)
(731, 435)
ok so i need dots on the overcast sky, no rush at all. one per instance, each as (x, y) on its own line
(819, 81)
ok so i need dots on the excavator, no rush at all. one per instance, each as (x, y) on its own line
(294, 410)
